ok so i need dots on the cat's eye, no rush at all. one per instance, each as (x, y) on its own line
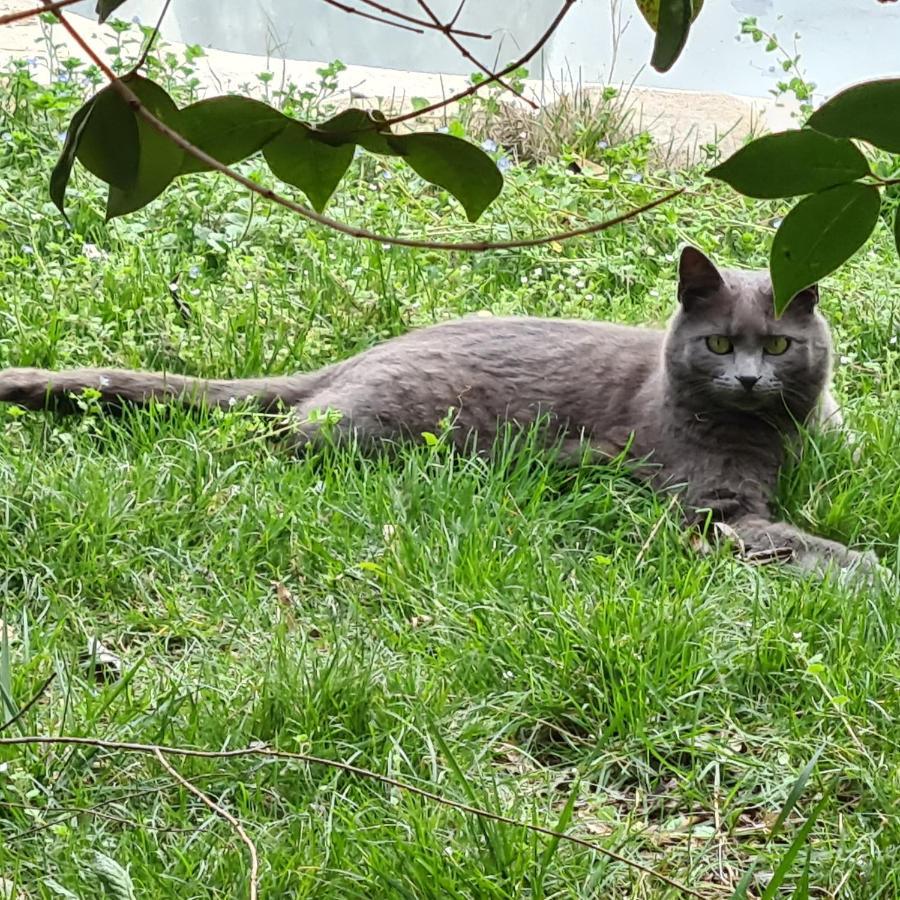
(720, 344)
(776, 345)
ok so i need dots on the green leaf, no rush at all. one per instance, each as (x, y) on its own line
(740, 892)
(159, 161)
(868, 111)
(296, 157)
(228, 128)
(672, 29)
(62, 171)
(801, 892)
(109, 147)
(462, 168)
(796, 844)
(356, 126)
(105, 8)
(791, 163)
(796, 792)
(819, 234)
(565, 818)
(897, 230)
(115, 877)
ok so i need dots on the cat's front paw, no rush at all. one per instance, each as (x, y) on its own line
(864, 569)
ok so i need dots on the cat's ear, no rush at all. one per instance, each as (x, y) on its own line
(804, 302)
(698, 278)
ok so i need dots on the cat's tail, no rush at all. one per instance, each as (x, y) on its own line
(46, 389)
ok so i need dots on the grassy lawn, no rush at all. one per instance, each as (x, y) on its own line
(507, 635)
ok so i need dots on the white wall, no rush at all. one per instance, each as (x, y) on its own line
(842, 41)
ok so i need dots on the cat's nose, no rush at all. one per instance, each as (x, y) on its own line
(748, 381)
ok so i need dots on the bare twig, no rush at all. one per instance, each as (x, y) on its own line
(470, 246)
(97, 809)
(219, 811)
(9, 18)
(421, 22)
(40, 693)
(655, 530)
(446, 30)
(455, 98)
(384, 21)
(152, 39)
(456, 15)
(66, 812)
(160, 751)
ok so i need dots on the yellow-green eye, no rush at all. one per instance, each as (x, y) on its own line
(720, 344)
(776, 345)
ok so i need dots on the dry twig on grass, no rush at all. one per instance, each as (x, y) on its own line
(160, 752)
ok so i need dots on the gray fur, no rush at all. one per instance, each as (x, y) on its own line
(712, 426)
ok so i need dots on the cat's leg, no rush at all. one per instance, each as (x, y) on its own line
(828, 419)
(333, 418)
(761, 536)
(576, 451)
(827, 416)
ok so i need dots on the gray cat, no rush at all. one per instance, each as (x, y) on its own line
(704, 406)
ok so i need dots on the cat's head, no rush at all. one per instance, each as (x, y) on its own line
(726, 350)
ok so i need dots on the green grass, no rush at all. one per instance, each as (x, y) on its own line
(500, 633)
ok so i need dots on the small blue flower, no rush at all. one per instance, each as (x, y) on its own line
(194, 271)
(27, 249)
(636, 177)
(63, 77)
(6, 137)
(443, 129)
(603, 145)
(489, 145)
(504, 164)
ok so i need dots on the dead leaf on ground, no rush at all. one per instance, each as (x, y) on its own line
(11, 634)
(512, 759)
(107, 665)
(288, 604)
(285, 602)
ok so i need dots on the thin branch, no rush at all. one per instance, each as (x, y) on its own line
(358, 12)
(456, 15)
(9, 18)
(96, 809)
(152, 39)
(160, 751)
(407, 18)
(68, 811)
(655, 530)
(85, 46)
(40, 693)
(219, 811)
(470, 246)
(455, 98)
(446, 30)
